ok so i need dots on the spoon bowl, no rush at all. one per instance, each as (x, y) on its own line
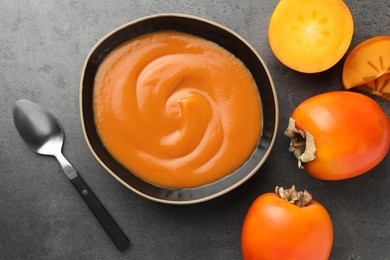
(37, 127)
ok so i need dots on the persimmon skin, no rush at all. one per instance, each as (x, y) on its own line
(367, 67)
(310, 36)
(350, 130)
(275, 229)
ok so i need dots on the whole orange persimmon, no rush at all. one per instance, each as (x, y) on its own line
(339, 135)
(286, 225)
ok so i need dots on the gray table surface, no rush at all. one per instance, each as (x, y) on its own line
(43, 45)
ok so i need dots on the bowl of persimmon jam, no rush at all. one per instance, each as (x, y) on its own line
(177, 108)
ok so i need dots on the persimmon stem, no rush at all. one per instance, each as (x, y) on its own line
(302, 143)
(291, 195)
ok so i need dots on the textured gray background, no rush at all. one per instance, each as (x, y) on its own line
(43, 45)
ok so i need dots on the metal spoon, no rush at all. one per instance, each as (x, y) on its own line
(41, 131)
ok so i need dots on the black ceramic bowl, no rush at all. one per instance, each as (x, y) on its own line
(209, 30)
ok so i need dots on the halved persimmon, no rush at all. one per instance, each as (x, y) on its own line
(367, 67)
(309, 35)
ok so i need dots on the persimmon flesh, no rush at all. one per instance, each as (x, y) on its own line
(309, 35)
(367, 67)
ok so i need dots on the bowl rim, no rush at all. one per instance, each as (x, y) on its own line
(216, 194)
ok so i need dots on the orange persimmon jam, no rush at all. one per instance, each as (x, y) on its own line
(176, 110)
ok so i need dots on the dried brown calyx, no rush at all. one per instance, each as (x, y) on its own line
(302, 143)
(291, 195)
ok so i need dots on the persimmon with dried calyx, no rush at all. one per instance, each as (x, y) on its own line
(339, 135)
(286, 224)
(309, 35)
(367, 67)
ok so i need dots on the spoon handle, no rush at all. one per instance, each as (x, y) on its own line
(108, 223)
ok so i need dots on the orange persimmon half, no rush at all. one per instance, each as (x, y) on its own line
(309, 35)
(367, 67)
